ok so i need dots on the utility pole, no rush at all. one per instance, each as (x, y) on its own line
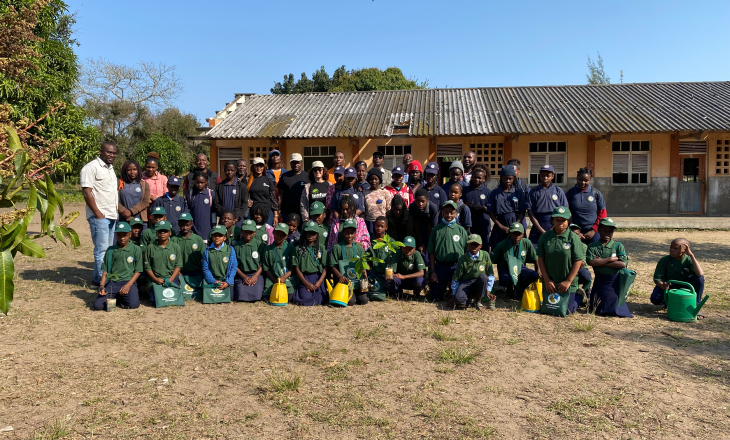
(622, 77)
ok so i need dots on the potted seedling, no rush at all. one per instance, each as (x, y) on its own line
(392, 245)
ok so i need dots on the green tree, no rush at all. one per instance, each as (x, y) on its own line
(344, 80)
(172, 156)
(596, 74)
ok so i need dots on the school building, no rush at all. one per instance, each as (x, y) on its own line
(656, 148)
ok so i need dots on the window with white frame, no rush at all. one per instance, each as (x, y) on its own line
(321, 153)
(630, 162)
(548, 153)
(393, 155)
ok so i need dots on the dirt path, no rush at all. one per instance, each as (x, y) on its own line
(385, 370)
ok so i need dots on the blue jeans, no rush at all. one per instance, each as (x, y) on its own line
(102, 235)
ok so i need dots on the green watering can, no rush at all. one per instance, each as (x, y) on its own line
(682, 303)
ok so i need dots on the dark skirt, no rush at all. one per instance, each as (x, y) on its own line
(604, 296)
(304, 297)
(242, 292)
(545, 221)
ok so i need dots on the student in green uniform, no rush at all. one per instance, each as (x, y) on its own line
(249, 284)
(584, 275)
(607, 257)
(318, 215)
(277, 261)
(308, 263)
(680, 265)
(474, 276)
(219, 259)
(377, 270)
(233, 232)
(162, 259)
(341, 254)
(150, 234)
(408, 270)
(125, 261)
(560, 257)
(191, 246)
(511, 256)
(445, 246)
(137, 229)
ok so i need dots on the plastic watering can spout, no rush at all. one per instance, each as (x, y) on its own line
(696, 310)
(329, 286)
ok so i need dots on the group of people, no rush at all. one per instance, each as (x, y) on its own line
(248, 231)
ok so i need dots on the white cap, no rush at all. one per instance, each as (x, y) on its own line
(295, 157)
(317, 164)
(258, 160)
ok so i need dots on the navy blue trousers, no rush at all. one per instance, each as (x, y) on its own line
(472, 289)
(130, 300)
(527, 277)
(657, 295)
(545, 221)
(395, 286)
(444, 273)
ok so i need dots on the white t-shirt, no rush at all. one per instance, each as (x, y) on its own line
(102, 180)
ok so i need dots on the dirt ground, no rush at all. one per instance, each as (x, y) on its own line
(398, 369)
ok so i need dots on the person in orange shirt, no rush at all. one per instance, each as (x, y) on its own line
(339, 161)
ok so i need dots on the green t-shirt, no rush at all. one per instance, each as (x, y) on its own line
(469, 269)
(162, 260)
(125, 262)
(447, 243)
(611, 249)
(669, 269)
(249, 255)
(335, 255)
(324, 232)
(218, 261)
(277, 260)
(383, 253)
(191, 252)
(148, 236)
(559, 252)
(234, 236)
(407, 265)
(307, 264)
(260, 235)
(525, 251)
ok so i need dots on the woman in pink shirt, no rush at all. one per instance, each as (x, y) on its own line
(156, 181)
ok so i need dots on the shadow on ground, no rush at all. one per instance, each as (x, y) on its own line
(77, 276)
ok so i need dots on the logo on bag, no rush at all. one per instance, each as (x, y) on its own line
(217, 290)
(554, 298)
(225, 259)
(131, 259)
(555, 197)
(523, 253)
(566, 245)
(172, 257)
(351, 273)
(590, 198)
(195, 246)
(481, 268)
(264, 237)
(457, 238)
(515, 270)
(188, 288)
(255, 254)
(482, 197)
(168, 293)
(375, 286)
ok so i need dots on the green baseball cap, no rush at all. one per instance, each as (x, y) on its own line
(122, 227)
(409, 241)
(158, 210)
(316, 208)
(248, 225)
(607, 222)
(311, 226)
(219, 229)
(516, 227)
(282, 227)
(561, 212)
(573, 226)
(474, 238)
(136, 221)
(349, 223)
(449, 203)
(163, 225)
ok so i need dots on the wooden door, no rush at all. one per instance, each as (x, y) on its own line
(692, 183)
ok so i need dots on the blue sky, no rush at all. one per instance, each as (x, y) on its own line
(224, 47)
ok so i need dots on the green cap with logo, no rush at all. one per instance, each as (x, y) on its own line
(449, 203)
(248, 225)
(158, 210)
(136, 221)
(123, 227)
(573, 226)
(185, 216)
(349, 223)
(517, 227)
(219, 229)
(409, 241)
(561, 212)
(282, 227)
(316, 208)
(607, 222)
(163, 225)
(311, 226)
(474, 238)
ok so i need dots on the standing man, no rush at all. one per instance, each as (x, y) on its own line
(242, 171)
(469, 160)
(99, 187)
(290, 186)
(407, 159)
(339, 161)
(201, 164)
(378, 160)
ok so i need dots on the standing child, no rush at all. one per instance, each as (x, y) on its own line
(231, 195)
(408, 271)
(173, 203)
(277, 261)
(680, 265)
(200, 203)
(149, 235)
(398, 187)
(436, 194)
(377, 199)
(474, 276)
(400, 222)
(308, 266)
(607, 257)
(463, 214)
(361, 184)
(219, 260)
(264, 231)
(415, 176)
(339, 176)
(348, 208)
(233, 232)
(318, 215)
(385, 253)
(456, 176)
(445, 246)
(584, 275)
(191, 251)
(348, 190)
(339, 262)
(122, 265)
(137, 226)
(541, 200)
(249, 284)
(506, 205)
(511, 256)
(293, 221)
(162, 260)
(475, 197)
(425, 214)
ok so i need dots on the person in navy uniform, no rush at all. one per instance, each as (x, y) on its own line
(436, 194)
(425, 215)
(348, 190)
(587, 205)
(475, 197)
(456, 175)
(173, 202)
(541, 200)
(519, 182)
(199, 199)
(505, 205)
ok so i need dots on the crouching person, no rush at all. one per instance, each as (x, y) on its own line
(511, 256)
(408, 271)
(474, 276)
(679, 265)
(162, 260)
(607, 257)
(122, 265)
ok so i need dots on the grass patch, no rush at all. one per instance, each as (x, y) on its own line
(446, 320)
(281, 381)
(586, 409)
(440, 334)
(458, 356)
(52, 431)
(586, 324)
(362, 333)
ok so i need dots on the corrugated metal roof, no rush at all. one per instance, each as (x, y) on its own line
(614, 108)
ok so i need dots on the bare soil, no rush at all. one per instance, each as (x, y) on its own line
(397, 369)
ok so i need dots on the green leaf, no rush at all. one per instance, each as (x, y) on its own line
(13, 140)
(365, 265)
(56, 198)
(30, 248)
(5, 203)
(377, 260)
(75, 242)
(19, 161)
(355, 260)
(378, 245)
(395, 244)
(10, 232)
(358, 267)
(63, 234)
(7, 287)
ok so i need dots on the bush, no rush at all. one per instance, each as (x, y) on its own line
(172, 155)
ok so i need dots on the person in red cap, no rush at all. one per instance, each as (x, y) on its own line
(407, 159)
(415, 175)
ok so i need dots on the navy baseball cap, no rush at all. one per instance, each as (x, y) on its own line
(398, 170)
(339, 170)
(350, 172)
(432, 167)
(547, 168)
(273, 152)
(174, 180)
(378, 153)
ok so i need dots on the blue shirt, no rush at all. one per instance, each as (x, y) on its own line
(173, 208)
(585, 206)
(543, 200)
(524, 184)
(356, 195)
(437, 196)
(293, 239)
(230, 270)
(447, 187)
(479, 197)
(200, 206)
(502, 202)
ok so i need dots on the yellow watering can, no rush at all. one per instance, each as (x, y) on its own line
(279, 295)
(341, 294)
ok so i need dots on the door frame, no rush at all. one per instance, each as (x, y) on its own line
(702, 176)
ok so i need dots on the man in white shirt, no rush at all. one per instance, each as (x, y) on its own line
(99, 187)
